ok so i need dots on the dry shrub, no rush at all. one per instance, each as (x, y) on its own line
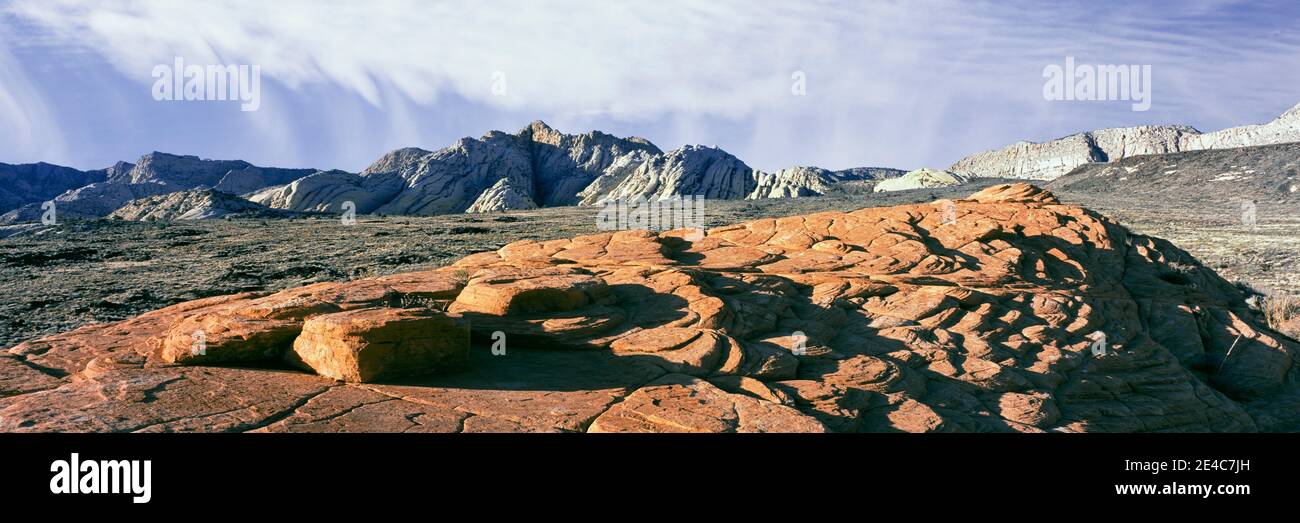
(1282, 312)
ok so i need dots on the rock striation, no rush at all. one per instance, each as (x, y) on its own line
(1052, 159)
(1016, 313)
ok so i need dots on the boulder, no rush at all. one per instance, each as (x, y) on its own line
(368, 345)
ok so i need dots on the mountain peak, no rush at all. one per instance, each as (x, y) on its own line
(159, 154)
(540, 126)
(539, 131)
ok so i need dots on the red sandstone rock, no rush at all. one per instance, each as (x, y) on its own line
(380, 344)
(881, 319)
(680, 403)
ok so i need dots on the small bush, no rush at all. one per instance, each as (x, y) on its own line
(460, 276)
(1282, 312)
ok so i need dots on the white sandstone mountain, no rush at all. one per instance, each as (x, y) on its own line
(38, 182)
(535, 167)
(1050, 160)
(794, 182)
(542, 167)
(921, 179)
(194, 204)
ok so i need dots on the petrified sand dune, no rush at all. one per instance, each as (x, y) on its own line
(969, 315)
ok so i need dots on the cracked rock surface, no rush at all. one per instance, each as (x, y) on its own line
(899, 319)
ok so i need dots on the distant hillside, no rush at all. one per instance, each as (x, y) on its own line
(96, 194)
(537, 166)
(1052, 159)
(1261, 173)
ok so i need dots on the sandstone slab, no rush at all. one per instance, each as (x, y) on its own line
(368, 345)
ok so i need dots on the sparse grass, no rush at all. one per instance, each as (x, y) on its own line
(417, 302)
(461, 276)
(1282, 312)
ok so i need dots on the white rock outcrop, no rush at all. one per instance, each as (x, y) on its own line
(542, 167)
(1052, 159)
(921, 179)
(328, 191)
(194, 204)
(692, 170)
(502, 196)
(565, 165)
(794, 182)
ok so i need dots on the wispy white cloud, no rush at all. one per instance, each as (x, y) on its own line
(618, 57)
(905, 83)
(31, 131)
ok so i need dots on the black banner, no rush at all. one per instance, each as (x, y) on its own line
(141, 473)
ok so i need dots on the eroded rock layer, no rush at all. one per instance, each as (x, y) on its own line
(1017, 313)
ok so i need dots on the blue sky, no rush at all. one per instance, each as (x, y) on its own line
(903, 84)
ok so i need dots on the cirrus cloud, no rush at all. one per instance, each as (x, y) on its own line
(907, 84)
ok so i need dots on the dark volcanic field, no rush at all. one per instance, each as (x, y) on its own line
(58, 278)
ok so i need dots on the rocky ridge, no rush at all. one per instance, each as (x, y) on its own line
(154, 174)
(38, 182)
(1052, 159)
(877, 320)
(535, 167)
